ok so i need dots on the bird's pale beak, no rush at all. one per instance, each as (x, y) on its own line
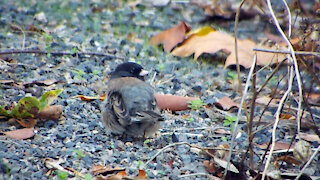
(143, 72)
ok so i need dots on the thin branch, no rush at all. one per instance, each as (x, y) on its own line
(243, 104)
(286, 52)
(59, 53)
(278, 112)
(296, 69)
(308, 163)
(196, 174)
(161, 150)
(235, 129)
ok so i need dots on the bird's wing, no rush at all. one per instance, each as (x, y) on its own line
(116, 103)
(145, 116)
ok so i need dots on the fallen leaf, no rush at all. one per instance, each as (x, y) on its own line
(224, 163)
(100, 169)
(302, 151)
(173, 102)
(278, 146)
(286, 116)
(208, 40)
(6, 81)
(265, 99)
(142, 175)
(170, 37)
(222, 131)
(90, 98)
(223, 154)
(119, 176)
(27, 123)
(227, 11)
(50, 112)
(309, 137)
(288, 159)
(226, 103)
(210, 167)
(313, 98)
(20, 133)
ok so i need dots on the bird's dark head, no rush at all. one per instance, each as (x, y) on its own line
(129, 69)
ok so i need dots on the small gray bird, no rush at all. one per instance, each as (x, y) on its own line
(130, 106)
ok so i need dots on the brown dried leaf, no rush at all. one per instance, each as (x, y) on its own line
(309, 137)
(20, 133)
(171, 37)
(27, 123)
(210, 167)
(101, 169)
(288, 159)
(313, 98)
(278, 146)
(142, 175)
(226, 103)
(207, 40)
(90, 98)
(6, 81)
(119, 176)
(173, 102)
(50, 112)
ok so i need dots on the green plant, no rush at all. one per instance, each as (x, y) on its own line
(229, 121)
(78, 74)
(74, 50)
(62, 175)
(161, 67)
(48, 39)
(273, 81)
(146, 141)
(138, 163)
(29, 105)
(88, 177)
(190, 119)
(196, 104)
(95, 72)
(78, 153)
(112, 144)
(232, 75)
(224, 138)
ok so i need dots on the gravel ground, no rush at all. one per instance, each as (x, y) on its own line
(104, 27)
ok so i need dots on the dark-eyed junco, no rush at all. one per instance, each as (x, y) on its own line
(130, 106)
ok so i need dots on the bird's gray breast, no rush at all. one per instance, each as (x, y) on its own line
(137, 98)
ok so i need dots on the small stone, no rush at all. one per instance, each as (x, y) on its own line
(197, 88)
(87, 160)
(69, 145)
(61, 135)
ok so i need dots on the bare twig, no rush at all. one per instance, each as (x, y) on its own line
(291, 76)
(235, 129)
(239, 82)
(252, 108)
(161, 150)
(59, 53)
(196, 174)
(308, 163)
(286, 52)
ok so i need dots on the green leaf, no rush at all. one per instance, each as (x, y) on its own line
(48, 97)
(223, 138)
(195, 104)
(74, 50)
(62, 175)
(25, 104)
(226, 123)
(3, 111)
(88, 177)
